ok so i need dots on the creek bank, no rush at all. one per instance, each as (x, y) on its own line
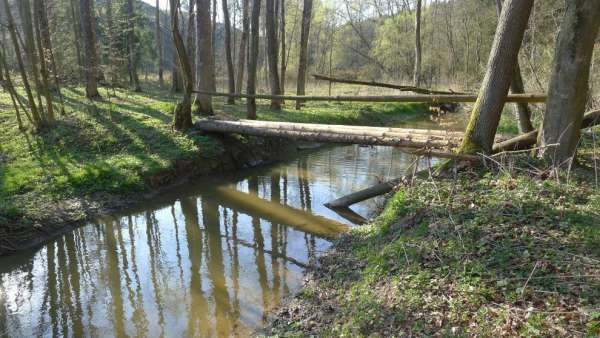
(50, 218)
(479, 254)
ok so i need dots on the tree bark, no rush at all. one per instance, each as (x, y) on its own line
(77, 35)
(44, 56)
(517, 87)
(283, 58)
(273, 54)
(182, 118)
(243, 47)
(134, 79)
(417, 70)
(37, 121)
(191, 37)
(161, 80)
(485, 117)
(89, 43)
(303, 59)
(569, 83)
(204, 55)
(228, 54)
(253, 59)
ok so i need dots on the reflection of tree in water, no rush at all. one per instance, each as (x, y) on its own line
(198, 309)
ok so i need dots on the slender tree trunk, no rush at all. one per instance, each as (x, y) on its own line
(213, 34)
(282, 37)
(182, 118)
(204, 54)
(191, 37)
(417, 71)
(46, 41)
(273, 54)
(30, 54)
(89, 42)
(303, 59)
(161, 80)
(243, 46)
(112, 72)
(132, 48)
(569, 83)
(253, 59)
(479, 136)
(517, 87)
(77, 36)
(44, 56)
(228, 54)
(176, 83)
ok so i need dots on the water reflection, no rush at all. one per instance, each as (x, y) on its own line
(207, 259)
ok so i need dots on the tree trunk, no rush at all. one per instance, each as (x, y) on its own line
(568, 89)
(479, 136)
(77, 35)
(191, 37)
(253, 59)
(37, 121)
(46, 41)
(89, 43)
(417, 71)
(228, 54)
(273, 54)
(204, 55)
(243, 47)
(303, 59)
(213, 44)
(134, 79)
(31, 57)
(517, 87)
(282, 37)
(44, 56)
(182, 118)
(161, 80)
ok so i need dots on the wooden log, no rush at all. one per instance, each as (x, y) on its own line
(403, 88)
(365, 194)
(420, 98)
(409, 141)
(284, 125)
(350, 215)
(528, 140)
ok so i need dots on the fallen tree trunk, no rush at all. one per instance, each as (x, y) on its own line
(365, 194)
(319, 135)
(382, 85)
(420, 98)
(528, 140)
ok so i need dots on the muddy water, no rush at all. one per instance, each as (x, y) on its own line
(206, 259)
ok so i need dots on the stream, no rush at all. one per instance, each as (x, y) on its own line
(208, 258)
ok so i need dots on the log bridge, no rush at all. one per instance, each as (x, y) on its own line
(417, 141)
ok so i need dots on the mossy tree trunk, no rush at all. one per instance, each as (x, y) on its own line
(517, 87)
(182, 118)
(253, 59)
(204, 54)
(485, 116)
(273, 53)
(569, 83)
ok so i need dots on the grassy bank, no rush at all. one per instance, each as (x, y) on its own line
(105, 151)
(504, 253)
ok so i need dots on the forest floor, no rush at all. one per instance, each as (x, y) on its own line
(510, 251)
(104, 154)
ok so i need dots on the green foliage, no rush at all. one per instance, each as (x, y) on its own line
(455, 257)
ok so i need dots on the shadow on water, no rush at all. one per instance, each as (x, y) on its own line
(210, 258)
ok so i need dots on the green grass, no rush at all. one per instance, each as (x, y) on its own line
(454, 257)
(116, 145)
